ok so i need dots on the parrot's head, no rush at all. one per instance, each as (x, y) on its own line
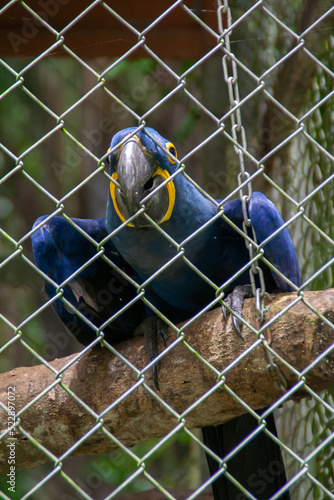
(141, 164)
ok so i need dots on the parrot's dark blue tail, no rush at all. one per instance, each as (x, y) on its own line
(258, 466)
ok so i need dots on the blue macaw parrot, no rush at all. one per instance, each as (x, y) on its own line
(167, 219)
(98, 291)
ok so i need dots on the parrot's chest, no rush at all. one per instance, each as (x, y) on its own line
(184, 266)
(185, 276)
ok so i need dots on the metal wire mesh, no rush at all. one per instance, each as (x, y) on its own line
(292, 159)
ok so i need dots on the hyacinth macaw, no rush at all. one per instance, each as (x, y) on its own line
(167, 219)
(98, 291)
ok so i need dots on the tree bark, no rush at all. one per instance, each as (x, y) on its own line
(99, 380)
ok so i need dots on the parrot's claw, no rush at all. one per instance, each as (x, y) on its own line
(224, 311)
(235, 301)
(154, 330)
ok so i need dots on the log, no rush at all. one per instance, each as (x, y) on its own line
(125, 406)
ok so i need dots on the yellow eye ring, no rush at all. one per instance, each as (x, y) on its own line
(171, 149)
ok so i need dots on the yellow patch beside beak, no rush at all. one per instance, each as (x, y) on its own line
(171, 192)
(113, 197)
(170, 189)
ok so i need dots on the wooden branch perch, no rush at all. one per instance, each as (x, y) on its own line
(99, 378)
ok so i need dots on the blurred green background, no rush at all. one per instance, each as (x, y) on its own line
(53, 169)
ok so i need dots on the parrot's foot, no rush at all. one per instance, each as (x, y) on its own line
(235, 301)
(154, 330)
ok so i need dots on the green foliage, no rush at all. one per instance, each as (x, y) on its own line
(312, 423)
(321, 209)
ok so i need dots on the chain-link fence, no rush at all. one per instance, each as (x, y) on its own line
(245, 92)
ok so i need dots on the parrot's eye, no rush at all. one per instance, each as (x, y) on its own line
(171, 149)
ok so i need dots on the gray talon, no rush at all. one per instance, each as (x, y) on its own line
(155, 376)
(235, 300)
(237, 324)
(162, 332)
(154, 330)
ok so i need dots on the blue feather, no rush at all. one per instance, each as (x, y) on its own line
(217, 251)
(98, 291)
